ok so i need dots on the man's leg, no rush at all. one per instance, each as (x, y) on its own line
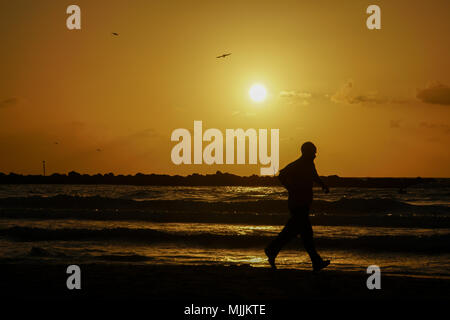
(306, 232)
(290, 231)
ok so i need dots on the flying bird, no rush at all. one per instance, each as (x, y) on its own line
(224, 55)
(99, 150)
(115, 34)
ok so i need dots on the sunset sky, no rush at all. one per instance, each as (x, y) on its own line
(375, 102)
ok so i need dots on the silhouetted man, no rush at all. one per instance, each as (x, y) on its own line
(298, 178)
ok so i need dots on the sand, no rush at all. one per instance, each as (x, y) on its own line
(208, 283)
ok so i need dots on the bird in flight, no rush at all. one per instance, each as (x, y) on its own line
(115, 34)
(224, 55)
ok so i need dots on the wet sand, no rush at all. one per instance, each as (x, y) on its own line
(208, 283)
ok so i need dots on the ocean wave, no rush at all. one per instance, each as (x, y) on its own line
(266, 212)
(317, 218)
(41, 252)
(124, 258)
(341, 206)
(52, 253)
(141, 194)
(411, 243)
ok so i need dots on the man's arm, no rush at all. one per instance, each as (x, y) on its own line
(319, 181)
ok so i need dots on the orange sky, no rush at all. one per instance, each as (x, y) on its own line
(375, 102)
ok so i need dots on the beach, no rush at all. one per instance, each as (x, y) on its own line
(186, 245)
(209, 283)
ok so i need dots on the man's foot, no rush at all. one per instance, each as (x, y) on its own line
(320, 265)
(271, 257)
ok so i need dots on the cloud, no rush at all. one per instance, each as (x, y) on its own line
(78, 124)
(428, 125)
(395, 123)
(297, 96)
(440, 126)
(238, 113)
(9, 102)
(434, 93)
(347, 94)
(145, 134)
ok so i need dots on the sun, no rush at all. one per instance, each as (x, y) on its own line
(257, 92)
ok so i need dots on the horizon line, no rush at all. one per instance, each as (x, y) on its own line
(218, 172)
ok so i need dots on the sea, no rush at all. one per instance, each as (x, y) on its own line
(401, 231)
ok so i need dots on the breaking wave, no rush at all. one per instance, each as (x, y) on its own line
(437, 243)
(355, 211)
(341, 206)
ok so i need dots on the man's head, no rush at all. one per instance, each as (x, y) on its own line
(309, 150)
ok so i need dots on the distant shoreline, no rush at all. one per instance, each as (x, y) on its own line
(217, 179)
